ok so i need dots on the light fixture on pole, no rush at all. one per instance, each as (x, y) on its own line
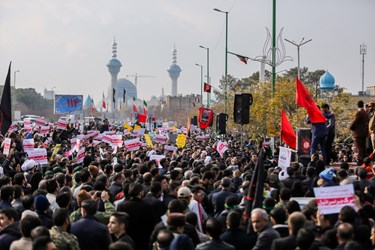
(208, 72)
(201, 82)
(298, 45)
(14, 84)
(226, 60)
(363, 52)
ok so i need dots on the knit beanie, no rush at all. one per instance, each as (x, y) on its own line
(327, 174)
(41, 203)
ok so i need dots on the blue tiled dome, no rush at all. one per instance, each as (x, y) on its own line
(131, 89)
(327, 81)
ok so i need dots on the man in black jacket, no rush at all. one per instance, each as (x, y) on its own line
(91, 234)
(9, 227)
(118, 222)
(296, 221)
(213, 229)
(234, 235)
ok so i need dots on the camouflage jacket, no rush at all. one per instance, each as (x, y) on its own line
(63, 240)
(103, 217)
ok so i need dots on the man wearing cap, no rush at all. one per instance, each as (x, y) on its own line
(194, 203)
(41, 205)
(326, 178)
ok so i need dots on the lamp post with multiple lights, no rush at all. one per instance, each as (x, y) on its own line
(201, 81)
(208, 72)
(226, 60)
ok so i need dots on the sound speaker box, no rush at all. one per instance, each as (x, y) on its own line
(194, 120)
(241, 112)
(221, 123)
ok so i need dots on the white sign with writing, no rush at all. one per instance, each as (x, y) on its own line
(222, 147)
(39, 155)
(331, 199)
(285, 156)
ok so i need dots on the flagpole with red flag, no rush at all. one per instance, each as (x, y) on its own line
(6, 105)
(287, 133)
(304, 99)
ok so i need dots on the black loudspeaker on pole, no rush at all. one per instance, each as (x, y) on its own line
(241, 112)
(221, 123)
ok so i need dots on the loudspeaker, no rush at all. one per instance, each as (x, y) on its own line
(241, 113)
(303, 141)
(194, 121)
(221, 123)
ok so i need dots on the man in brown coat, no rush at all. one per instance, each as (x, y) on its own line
(360, 131)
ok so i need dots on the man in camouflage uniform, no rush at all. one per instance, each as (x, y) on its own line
(102, 217)
(59, 232)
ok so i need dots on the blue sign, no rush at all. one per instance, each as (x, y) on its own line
(68, 104)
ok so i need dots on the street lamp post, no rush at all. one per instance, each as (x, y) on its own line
(14, 96)
(208, 72)
(226, 60)
(298, 45)
(201, 82)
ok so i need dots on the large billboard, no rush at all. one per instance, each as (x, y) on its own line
(68, 104)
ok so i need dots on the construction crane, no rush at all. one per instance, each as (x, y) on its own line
(136, 77)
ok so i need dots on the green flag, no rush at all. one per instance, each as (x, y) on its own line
(144, 103)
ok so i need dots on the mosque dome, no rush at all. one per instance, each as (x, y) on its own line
(131, 89)
(327, 81)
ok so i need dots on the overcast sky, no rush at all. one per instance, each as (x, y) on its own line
(66, 45)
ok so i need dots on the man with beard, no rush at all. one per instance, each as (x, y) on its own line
(60, 231)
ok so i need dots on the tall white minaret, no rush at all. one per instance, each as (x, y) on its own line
(114, 66)
(174, 72)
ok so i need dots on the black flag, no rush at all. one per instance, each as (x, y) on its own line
(123, 96)
(6, 106)
(113, 97)
(255, 193)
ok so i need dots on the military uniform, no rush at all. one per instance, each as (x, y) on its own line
(64, 240)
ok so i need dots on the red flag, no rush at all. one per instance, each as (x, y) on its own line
(134, 109)
(207, 88)
(144, 111)
(104, 105)
(287, 133)
(242, 58)
(304, 99)
(142, 118)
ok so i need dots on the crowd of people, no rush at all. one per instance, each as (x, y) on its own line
(193, 198)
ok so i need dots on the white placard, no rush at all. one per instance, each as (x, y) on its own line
(161, 139)
(331, 199)
(116, 141)
(157, 158)
(39, 155)
(44, 130)
(222, 147)
(6, 149)
(170, 148)
(285, 156)
(62, 124)
(80, 155)
(132, 145)
(28, 145)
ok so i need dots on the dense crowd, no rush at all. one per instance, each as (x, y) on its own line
(193, 198)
